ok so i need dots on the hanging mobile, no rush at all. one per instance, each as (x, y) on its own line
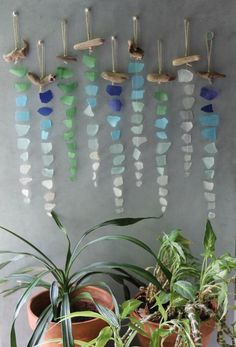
(134, 50)
(19, 52)
(210, 75)
(65, 57)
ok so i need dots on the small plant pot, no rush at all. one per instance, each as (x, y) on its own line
(206, 329)
(84, 331)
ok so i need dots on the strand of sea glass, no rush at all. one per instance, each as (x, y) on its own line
(186, 114)
(135, 68)
(69, 100)
(91, 90)
(162, 148)
(209, 122)
(22, 126)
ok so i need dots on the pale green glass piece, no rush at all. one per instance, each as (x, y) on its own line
(210, 35)
(69, 135)
(19, 71)
(118, 160)
(68, 88)
(208, 162)
(116, 148)
(24, 156)
(22, 86)
(188, 102)
(211, 197)
(73, 173)
(138, 165)
(137, 118)
(22, 129)
(209, 174)
(64, 73)
(161, 96)
(71, 112)
(189, 89)
(68, 100)
(47, 172)
(117, 170)
(139, 140)
(73, 163)
(71, 155)
(185, 75)
(23, 143)
(162, 180)
(24, 169)
(161, 170)
(91, 75)
(47, 160)
(137, 130)
(136, 154)
(47, 184)
(137, 106)
(89, 61)
(118, 181)
(211, 148)
(93, 144)
(68, 123)
(92, 129)
(161, 160)
(161, 110)
(46, 147)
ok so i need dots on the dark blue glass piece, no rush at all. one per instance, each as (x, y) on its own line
(45, 111)
(46, 97)
(207, 108)
(113, 90)
(115, 105)
(208, 93)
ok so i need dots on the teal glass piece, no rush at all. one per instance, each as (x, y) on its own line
(91, 75)
(209, 120)
(44, 135)
(137, 118)
(161, 110)
(68, 123)
(137, 94)
(18, 71)
(116, 148)
(137, 82)
(115, 135)
(161, 160)
(68, 88)
(69, 135)
(47, 172)
(161, 135)
(22, 86)
(93, 144)
(163, 147)
(46, 147)
(89, 61)
(22, 129)
(161, 96)
(71, 112)
(211, 148)
(45, 124)
(23, 143)
(92, 129)
(137, 106)
(68, 100)
(64, 72)
(47, 160)
(135, 67)
(21, 100)
(208, 162)
(92, 102)
(161, 123)
(137, 130)
(209, 174)
(209, 134)
(113, 120)
(91, 89)
(22, 116)
(117, 170)
(24, 156)
(118, 159)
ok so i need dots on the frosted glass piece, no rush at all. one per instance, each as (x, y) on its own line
(137, 106)
(26, 193)
(117, 170)
(118, 181)
(162, 180)
(44, 135)
(186, 138)
(92, 129)
(163, 209)
(208, 185)
(47, 160)
(115, 135)
(162, 191)
(209, 174)
(94, 156)
(161, 160)
(187, 149)
(137, 118)
(138, 175)
(211, 197)
(208, 162)
(136, 154)
(113, 120)
(186, 126)
(137, 130)
(119, 202)
(211, 205)
(25, 180)
(209, 134)
(163, 201)
(135, 67)
(24, 169)
(24, 156)
(161, 170)
(137, 82)
(138, 165)
(91, 89)
(117, 192)
(139, 140)
(189, 89)
(45, 124)
(161, 135)
(137, 94)
(211, 215)
(21, 100)
(184, 75)
(118, 160)
(22, 116)
(27, 200)
(95, 166)
(119, 210)
(93, 144)
(187, 157)
(94, 177)
(23, 143)
(22, 129)
(49, 207)
(88, 111)
(162, 147)
(209, 120)
(139, 184)
(187, 166)
(188, 102)
(47, 172)
(161, 123)
(116, 148)
(186, 114)
(211, 148)
(46, 147)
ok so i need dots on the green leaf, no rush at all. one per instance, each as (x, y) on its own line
(42, 323)
(103, 337)
(209, 241)
(128, 307)
(186, 289)
(66, 324)
(54, 292)
(161, 308)
(108, 315)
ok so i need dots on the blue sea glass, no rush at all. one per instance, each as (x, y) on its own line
(113, 90)
(161, 135)
(211, 120)
(208, 93)
(45, 124)
(113, 120)
(91, 89)
(137, 82)
(135, 67)
(161, 123)
(21, 100)
(137, 94)
(22, 116)
(45, 111)
(207, 108)
(115, 135)
(46, 97)
(115, 105)
(209, 134)
(44, 135)
(92, 102)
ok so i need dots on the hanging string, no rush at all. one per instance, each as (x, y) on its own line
(186, 36)
(113, 53)
(88, 23)
(16, 29)
(209, 44)
(41, 57)
(64, 35)
(135, 30)
(159, 56)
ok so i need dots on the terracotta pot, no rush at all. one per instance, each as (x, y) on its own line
(206, 329)
(84, 331)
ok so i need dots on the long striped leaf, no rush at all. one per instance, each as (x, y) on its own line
(66, 324)
(42, 323)
(54, 292)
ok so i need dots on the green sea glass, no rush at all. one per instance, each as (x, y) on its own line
(68, 88)
(73, 163)
(22, 86)
(68, 123)
(64, 72)
(161, 110)
(72, 146)
(19, 71)
(89, 61)
(69, 135)
(71, 155)
(91, 75)
(161, 96)
(71, 112)
(68, 100)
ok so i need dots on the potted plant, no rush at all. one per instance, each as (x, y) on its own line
(66, 293)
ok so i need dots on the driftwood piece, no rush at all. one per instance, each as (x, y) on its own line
(114, 77)
(67, 58)
(210, 76)
(186, 60)
(134, 51)
(80, 46)
(160, 78)
(41, 82)
(17, 54)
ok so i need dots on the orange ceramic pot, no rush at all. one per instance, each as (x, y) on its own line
(206, 329)
(84, 331)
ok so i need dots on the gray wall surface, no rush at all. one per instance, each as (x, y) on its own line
(79, 204)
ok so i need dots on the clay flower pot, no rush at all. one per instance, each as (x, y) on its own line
(206, 329)
(84, 331)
